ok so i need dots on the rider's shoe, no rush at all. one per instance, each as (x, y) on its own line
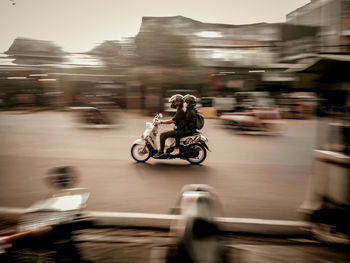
(158, 155)
(176, 151)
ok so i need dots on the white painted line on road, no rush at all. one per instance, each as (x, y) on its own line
(163, 220)
(257, 221)
(239, 220)
(131, 215)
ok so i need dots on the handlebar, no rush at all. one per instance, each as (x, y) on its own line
(157, 117)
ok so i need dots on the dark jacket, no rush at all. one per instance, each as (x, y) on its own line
(179, 116)
(188, 124)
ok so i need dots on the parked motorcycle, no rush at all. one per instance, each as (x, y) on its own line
(96, 116)
(193, 148)
(45, 230)
(266, 121)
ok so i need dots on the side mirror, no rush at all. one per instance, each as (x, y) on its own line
(160, 115)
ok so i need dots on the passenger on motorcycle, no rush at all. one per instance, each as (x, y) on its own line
(188, 125)
(176, 103)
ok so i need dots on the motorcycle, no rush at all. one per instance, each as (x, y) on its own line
(45, 230)
(193, 148)
(262, 121)
(196, 232)
(96, 117)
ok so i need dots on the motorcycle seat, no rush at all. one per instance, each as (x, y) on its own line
(187, 137)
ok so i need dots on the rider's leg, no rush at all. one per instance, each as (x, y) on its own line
(180, 134)
(163, 137)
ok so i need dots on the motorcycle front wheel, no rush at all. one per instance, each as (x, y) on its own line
(140, 153)
(202, 154)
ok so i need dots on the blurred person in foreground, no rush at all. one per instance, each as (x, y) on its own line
(177, 102)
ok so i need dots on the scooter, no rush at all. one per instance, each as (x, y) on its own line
(96, 117)
(255, 122)
(196, 231)
(45, 231)
(193, 148)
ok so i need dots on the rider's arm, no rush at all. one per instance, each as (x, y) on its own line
(167, 122)
(177, 118)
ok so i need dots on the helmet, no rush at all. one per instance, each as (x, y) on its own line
(176, 100)
(190, 100)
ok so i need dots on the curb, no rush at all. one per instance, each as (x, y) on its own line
(227, 224)
(163, 221)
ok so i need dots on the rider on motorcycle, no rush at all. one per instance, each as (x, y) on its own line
(176, 103)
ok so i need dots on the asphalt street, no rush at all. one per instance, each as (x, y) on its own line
(255, 176)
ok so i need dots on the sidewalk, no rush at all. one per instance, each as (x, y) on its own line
(142, 245)
(130, 244)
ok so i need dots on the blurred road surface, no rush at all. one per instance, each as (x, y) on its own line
(255, 176)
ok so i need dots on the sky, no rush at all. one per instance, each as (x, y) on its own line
(79, 25)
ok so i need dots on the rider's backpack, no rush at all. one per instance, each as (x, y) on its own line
(199, 121)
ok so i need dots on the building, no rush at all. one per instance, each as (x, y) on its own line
(241, 57)
(38, 73)
(333, 18)
(223, 59)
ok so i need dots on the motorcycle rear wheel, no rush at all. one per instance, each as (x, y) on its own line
(202, 154)
(140, 153)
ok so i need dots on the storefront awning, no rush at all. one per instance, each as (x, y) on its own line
(324, 63)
